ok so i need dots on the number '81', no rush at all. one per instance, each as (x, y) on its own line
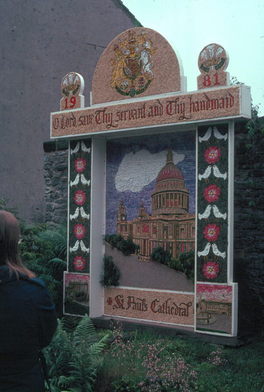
(211, 81)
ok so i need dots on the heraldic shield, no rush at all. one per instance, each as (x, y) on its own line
(132, 66)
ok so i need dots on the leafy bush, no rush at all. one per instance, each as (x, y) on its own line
(161, 255)
(73, 358)
(43, 250)
(127, 247)
(111, 273)
(185, 264)
(187, 261)
(4, 206)
(176, 264)
(113, 239)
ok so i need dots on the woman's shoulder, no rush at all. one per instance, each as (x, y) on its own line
(36, 289)
(37, 281)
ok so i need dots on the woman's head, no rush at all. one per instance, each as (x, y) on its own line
(9, 238)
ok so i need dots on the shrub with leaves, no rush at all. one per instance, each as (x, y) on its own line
(4, 206)
(113, 239)
(187, 261)
(111, 273)
(185, 264)
(127, 247)
(73, 358)
(43, 250)
(161, 255)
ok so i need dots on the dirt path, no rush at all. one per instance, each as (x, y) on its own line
(148, 275)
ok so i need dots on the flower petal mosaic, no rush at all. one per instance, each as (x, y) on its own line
(79, 197)
(211, 232)
(212, 193)
(79, 230)
(79, 263)
(212, 203)
(210, 270)
(80, 165)
(79, 204)
(212, 155)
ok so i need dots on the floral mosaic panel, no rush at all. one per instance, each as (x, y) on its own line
(79, 206)
(212, 204)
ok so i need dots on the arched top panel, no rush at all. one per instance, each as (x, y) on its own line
(139, 62)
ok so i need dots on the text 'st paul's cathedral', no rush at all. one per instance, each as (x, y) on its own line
(170, 226)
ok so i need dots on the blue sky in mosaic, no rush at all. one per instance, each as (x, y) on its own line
(133, 165)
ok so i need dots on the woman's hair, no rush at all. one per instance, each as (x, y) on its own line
(9, 238)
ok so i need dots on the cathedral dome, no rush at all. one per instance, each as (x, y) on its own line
(170, 195)
(169, 171)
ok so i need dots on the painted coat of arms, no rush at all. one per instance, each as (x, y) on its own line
(132, 66)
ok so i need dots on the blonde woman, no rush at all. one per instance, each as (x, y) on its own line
(27, 315)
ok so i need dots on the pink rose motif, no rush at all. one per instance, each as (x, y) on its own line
(79, 231)
(211, 269)
(211, 193)
(211, 232)
(80, 165)
(79, 197)
(212, 154)
(79, 263)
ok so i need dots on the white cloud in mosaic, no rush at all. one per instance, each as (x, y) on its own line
(139, 169)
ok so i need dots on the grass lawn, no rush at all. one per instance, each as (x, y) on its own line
(144, 362)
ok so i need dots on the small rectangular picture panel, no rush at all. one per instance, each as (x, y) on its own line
(215, 308)
(147, 305)
(76, 294)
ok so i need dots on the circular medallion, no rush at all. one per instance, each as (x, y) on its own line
(213, 57)
(72, 84)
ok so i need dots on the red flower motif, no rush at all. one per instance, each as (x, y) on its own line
(79, 231)
(211, 193)
(80, 164)
(79, 197)
(79, 263)
(212, 154)
(211, 269)
(211, 232)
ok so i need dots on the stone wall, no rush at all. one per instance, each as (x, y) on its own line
(56, 180)
(248, 228)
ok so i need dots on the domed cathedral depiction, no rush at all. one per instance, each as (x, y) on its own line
(170, 225)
